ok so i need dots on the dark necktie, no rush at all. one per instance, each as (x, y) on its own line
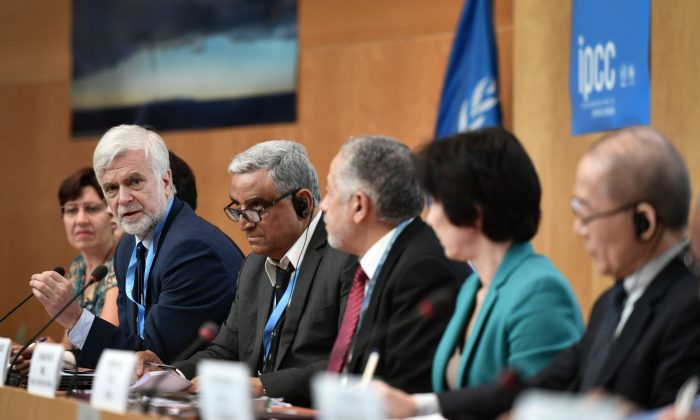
(605, 338)
(281, 281)
(349, 324)
(138, 293)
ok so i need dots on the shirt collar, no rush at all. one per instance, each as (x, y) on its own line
(147, 241)
(370, 261)
(637, 282)
(295, 255)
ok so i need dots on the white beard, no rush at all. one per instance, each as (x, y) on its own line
(147, 222)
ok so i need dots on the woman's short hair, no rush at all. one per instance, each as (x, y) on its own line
(72, 187)
(485, 171)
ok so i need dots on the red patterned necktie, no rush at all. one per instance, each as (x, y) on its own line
(350, 318)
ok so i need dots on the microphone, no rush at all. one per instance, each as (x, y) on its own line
(59, 270)
(96, 276)
(433, 305)
(205, 335)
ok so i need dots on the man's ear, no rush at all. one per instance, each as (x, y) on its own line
(361, 207)
(168, 179)
(645, 222)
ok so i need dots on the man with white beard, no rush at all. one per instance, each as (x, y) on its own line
(174, 270)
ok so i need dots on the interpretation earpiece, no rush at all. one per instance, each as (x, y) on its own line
(640, 222)
(300, 206)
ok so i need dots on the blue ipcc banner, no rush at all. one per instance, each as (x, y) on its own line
(609, 75)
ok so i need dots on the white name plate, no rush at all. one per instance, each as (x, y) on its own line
(47, 361)
(550, 405)
(343, 398)
(110, 390)
(5, 348)
(224, 391)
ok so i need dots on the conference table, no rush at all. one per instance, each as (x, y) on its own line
(17, 403)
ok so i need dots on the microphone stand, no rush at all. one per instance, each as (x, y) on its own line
(95, 277)
(206, 334)
(59, 270)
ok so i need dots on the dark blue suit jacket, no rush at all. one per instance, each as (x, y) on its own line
(192, 280)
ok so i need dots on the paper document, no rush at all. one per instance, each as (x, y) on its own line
(160, 381)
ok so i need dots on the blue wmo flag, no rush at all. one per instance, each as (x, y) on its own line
(470, 94)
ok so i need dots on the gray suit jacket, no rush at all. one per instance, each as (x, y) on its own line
(310, 326)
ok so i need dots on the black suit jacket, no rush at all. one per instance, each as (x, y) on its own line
(192, 280)
(415, 269)
(657, 350)
(310, 326)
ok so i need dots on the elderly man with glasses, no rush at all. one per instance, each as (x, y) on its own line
(285, 316)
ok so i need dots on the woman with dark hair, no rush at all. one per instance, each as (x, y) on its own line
(516, 310)
(91, 230)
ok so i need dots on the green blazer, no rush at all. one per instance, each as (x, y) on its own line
(529, 314)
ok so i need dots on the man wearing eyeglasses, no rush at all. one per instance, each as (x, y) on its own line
(286, 313)
(631, 202)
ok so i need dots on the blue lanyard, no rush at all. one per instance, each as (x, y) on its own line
(131, 271)
(377, 272)
(278, 311)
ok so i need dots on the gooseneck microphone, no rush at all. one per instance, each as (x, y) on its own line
(96, 276)
(59, 270)
(431, 306)
(205, 335)
(435, 304)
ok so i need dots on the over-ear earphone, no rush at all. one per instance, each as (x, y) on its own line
(640, 222)
(300, 205)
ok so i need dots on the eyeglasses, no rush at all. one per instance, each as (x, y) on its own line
(576, 207)
(253, 215)
(92, 209)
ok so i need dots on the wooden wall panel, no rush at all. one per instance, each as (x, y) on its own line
(675, 72)
(34, 40)
(324, 23)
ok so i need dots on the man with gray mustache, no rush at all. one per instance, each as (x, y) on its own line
(174, 270)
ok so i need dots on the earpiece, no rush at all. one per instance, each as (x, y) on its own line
(640, 222)
(300, 206)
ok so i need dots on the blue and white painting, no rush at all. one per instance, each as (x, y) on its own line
(183, 64)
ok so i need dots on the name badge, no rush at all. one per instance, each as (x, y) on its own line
(5, 347)
(224, 390)
(344, 398)
(47, 361)
(112, 378)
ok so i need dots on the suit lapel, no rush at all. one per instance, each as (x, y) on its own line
(369, 319)
(263, 304)
(121, 267)
(154, 289)
(309, 265)
(454, 333)
(638, 320)
(513, 258)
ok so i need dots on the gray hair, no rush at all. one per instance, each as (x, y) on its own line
(285, 160)
(120, 139)
(644, 166)
(384, 170)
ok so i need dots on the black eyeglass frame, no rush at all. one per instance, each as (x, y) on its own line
(252, 215)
